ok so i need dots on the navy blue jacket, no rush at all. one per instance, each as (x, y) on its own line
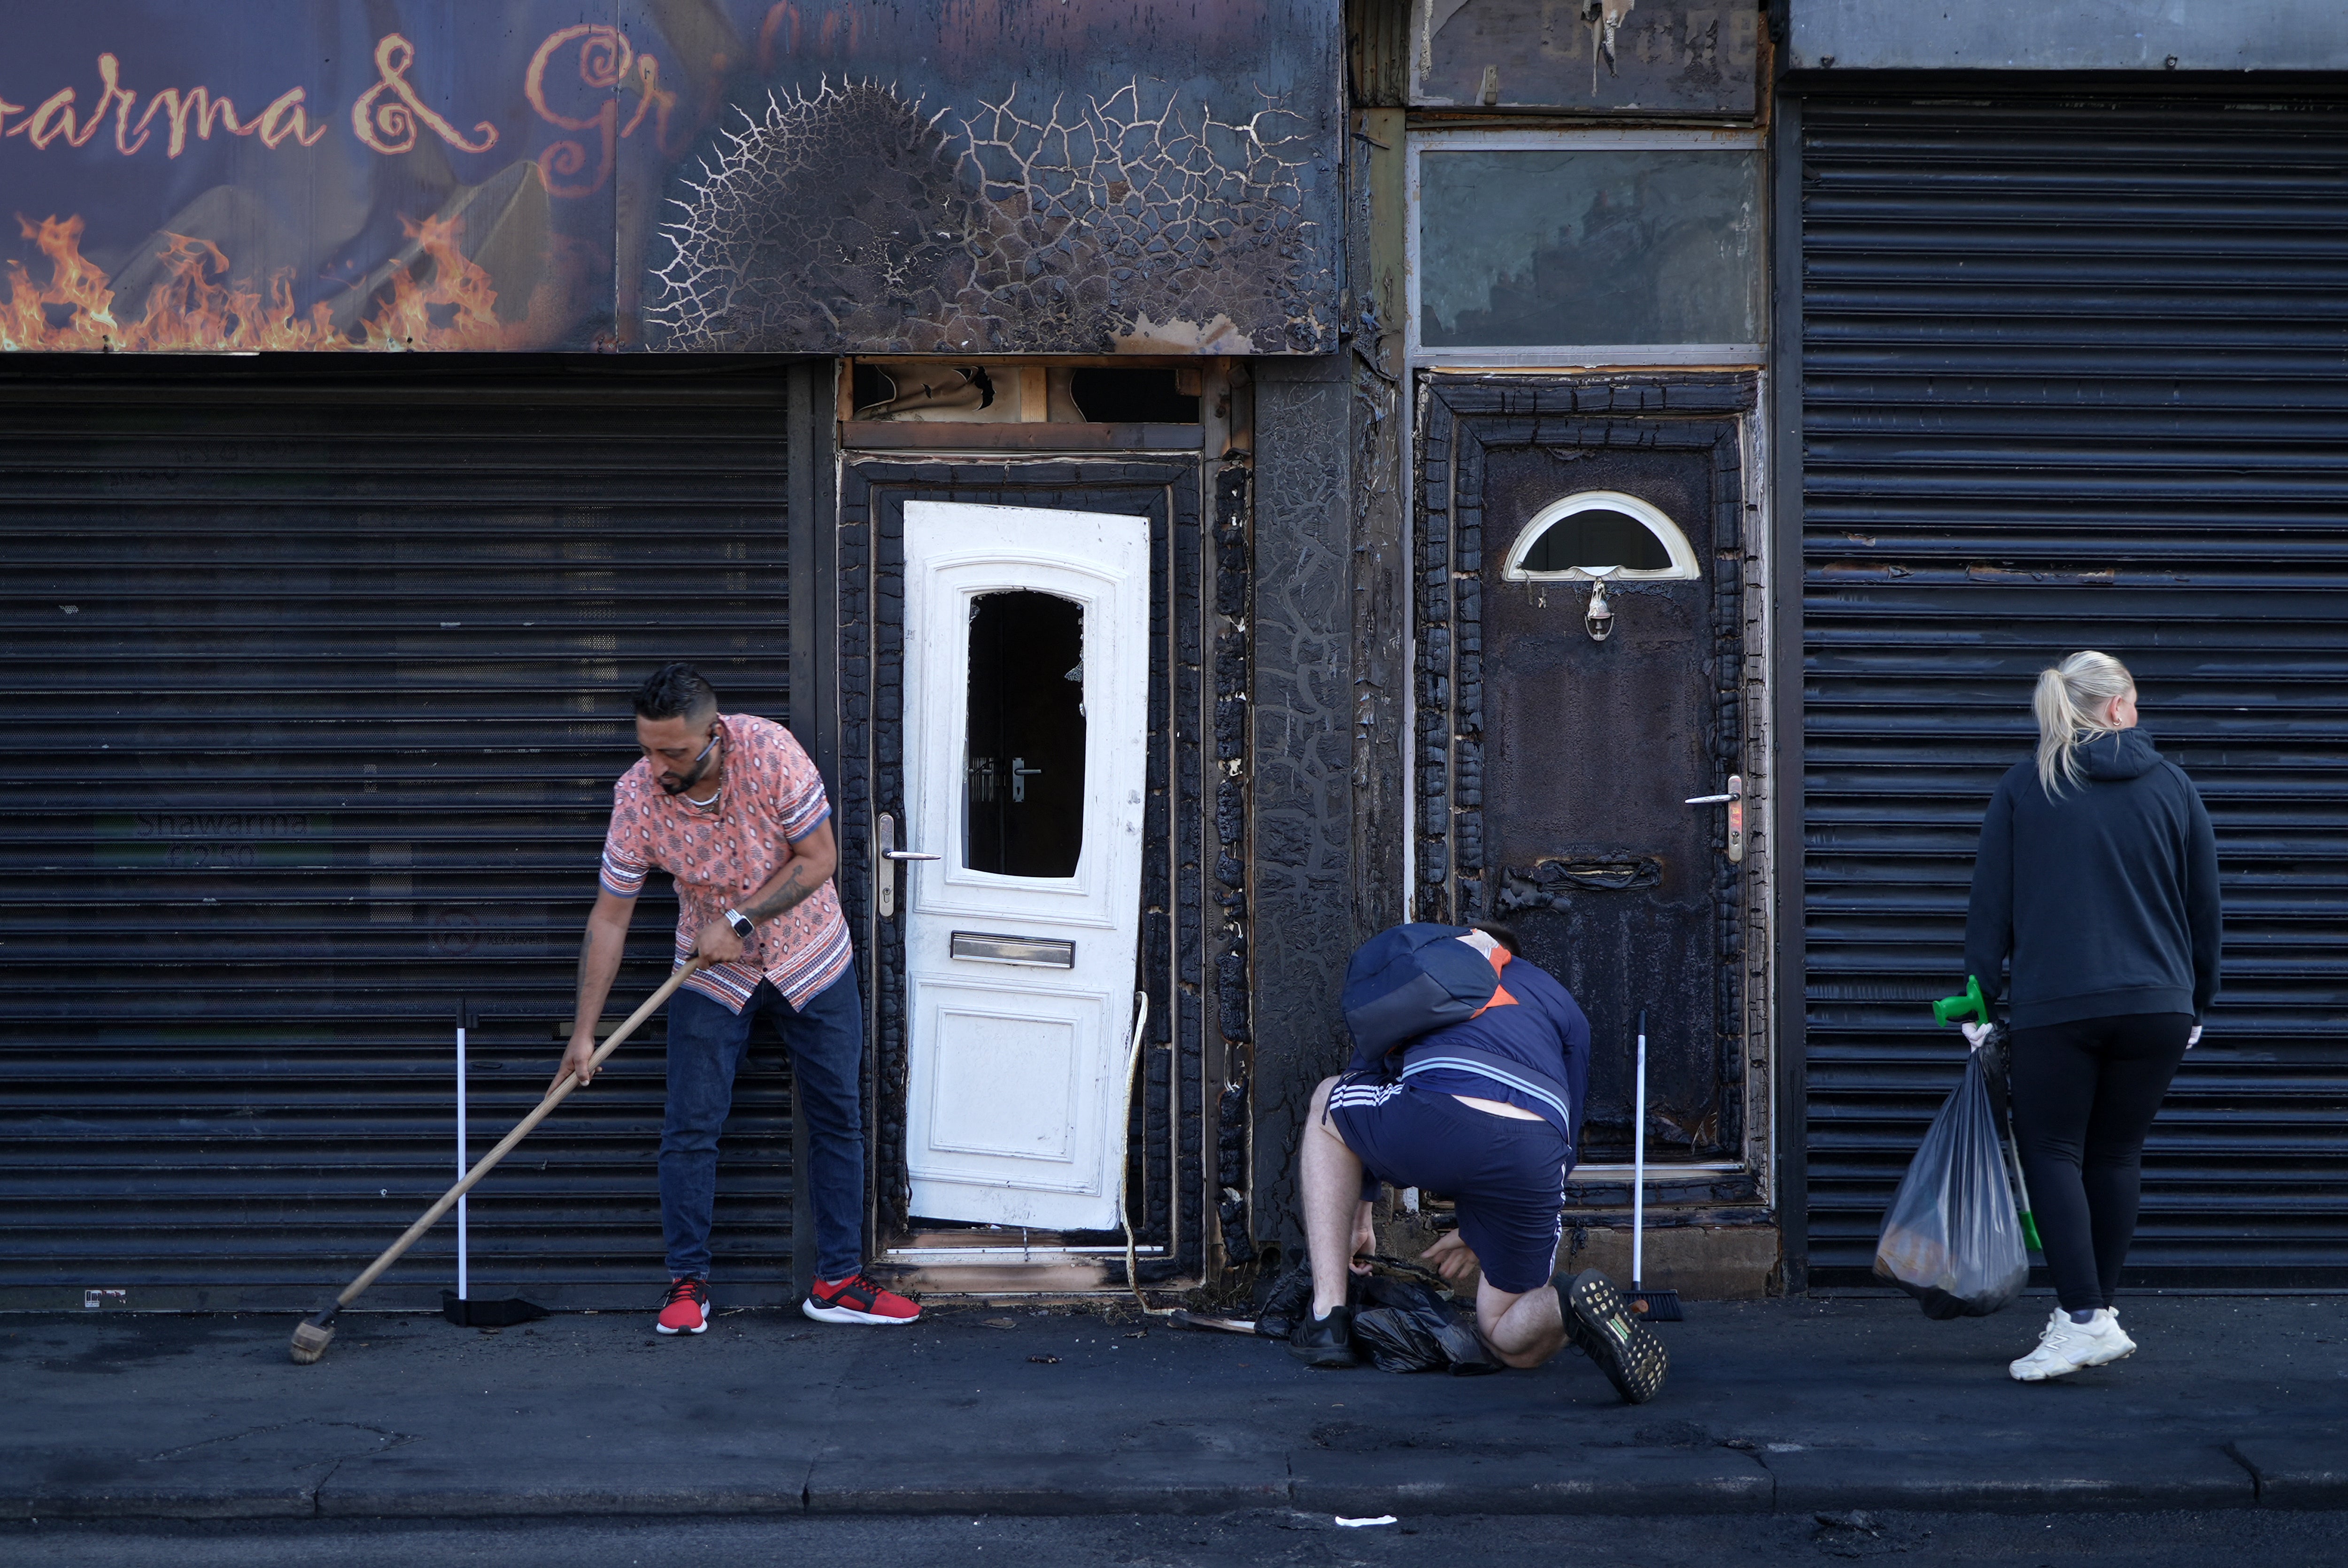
(2105, 895)
(1541, 1026)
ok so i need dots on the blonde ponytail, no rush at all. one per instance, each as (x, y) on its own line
(2070, 702)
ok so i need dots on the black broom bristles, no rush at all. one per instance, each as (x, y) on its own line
(1655, 1305)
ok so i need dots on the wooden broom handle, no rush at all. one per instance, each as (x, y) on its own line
(554, 1097)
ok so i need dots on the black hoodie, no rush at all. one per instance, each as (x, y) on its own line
(2106, 894)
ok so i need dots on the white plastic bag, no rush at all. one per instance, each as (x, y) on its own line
(1951, 1238)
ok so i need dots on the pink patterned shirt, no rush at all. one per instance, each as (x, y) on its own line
(773, 797)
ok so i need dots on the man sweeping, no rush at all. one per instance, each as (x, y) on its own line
(1468, 1077)
(729, 805)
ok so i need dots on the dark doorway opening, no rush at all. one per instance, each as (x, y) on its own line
(1136, 396)
(1023, 774)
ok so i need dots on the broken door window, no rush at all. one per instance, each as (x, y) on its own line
(1024, 763)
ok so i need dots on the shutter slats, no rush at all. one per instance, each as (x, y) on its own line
(326, 742)
(2071, 378)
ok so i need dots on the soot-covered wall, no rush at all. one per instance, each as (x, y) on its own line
(1036, 176)
(1302, 826)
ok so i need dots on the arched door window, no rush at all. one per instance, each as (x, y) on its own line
(1601, 533)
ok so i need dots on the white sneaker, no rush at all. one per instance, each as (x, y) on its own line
(2065, 1346)
(2112, 1316)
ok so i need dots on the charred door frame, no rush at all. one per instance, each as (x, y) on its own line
(814, 671)
(1460, 414)
(872, 554)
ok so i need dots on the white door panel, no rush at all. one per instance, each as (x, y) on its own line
(1016, 1114)
(1026, 690)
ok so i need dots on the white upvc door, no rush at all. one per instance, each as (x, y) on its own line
(1025, 775)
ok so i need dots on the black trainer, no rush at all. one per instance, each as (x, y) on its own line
(1324, 1341)
(1600, 1324)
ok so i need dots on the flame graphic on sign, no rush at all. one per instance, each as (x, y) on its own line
(198, 306)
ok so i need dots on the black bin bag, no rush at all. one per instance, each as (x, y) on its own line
(1951, 1238)
(1401, 1325)
(1408, 1330)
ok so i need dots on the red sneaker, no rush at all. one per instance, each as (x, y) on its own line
(687, 1310)
(857, 1299)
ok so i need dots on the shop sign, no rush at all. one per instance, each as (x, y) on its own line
(869, 176)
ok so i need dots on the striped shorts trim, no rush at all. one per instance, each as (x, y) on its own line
(1369, 1096)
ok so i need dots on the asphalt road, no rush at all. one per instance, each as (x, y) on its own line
(1257, 1540)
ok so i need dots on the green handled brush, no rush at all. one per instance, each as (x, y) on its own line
(1974, 1007)
(316, 1332)
(1956, 1009)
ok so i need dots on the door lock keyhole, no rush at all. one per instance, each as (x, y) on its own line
(1019, 775)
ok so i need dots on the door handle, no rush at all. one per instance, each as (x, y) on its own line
(1019, 771)
(1735, 800)
(884, 886)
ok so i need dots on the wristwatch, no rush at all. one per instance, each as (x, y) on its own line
(742, 925)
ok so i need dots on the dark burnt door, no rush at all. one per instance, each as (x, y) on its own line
(1579, 673)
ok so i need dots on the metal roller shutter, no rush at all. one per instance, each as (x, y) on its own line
(317, 675)
(2071, 377)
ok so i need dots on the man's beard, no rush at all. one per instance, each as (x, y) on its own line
(692, 778)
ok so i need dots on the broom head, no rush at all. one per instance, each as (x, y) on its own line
(312, 1336)
(1654, 1305)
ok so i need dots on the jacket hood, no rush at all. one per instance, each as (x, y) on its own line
(2119, 754)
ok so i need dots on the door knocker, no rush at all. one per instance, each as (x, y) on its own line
(1599, 616)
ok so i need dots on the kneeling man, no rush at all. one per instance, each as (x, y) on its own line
(1487, 1111)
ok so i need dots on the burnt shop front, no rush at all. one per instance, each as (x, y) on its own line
(1216, 518)
(947, 459)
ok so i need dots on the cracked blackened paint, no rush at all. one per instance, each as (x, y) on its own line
(1380, 596)
(1302, 756)
(1003, 204)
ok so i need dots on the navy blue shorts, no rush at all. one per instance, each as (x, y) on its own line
(1506, 1176)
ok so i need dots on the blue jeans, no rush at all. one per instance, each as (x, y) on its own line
(705, 1044)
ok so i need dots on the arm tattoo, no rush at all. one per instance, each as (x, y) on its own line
(774, 900)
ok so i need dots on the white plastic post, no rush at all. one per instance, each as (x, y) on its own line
(1639, 1164)
(461, 1163)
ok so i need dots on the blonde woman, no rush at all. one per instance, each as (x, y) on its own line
(2098, 880)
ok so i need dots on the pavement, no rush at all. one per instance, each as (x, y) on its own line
(1792, 1407)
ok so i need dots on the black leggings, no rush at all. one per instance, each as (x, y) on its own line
(2084, 1095)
